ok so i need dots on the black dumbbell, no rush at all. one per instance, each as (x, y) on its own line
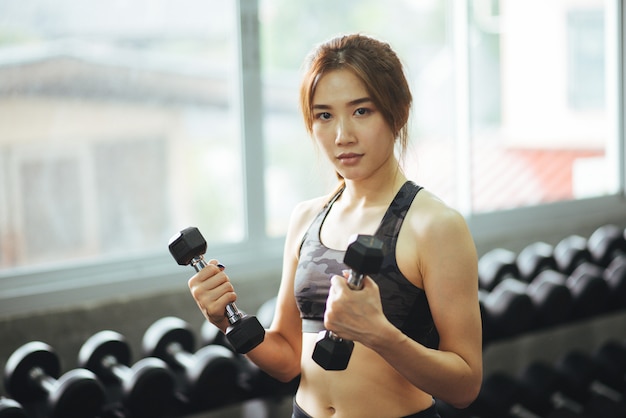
(544, 389)
(534, 259)
(502, 395)
(610, 359)
(506, 311)
(147, 388)
(570, 252)
(581, 382)
(10, 408)
(209, 376)
(615, 276)
(590, 292)
(364, 256)
(607, 242)
(495, 266)
(210, 334)
(245, 332)
(32, 373)
(553, 302)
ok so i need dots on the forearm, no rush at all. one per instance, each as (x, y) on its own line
(277, 357)
(443, 374)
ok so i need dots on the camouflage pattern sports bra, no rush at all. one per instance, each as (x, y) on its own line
(404, 304)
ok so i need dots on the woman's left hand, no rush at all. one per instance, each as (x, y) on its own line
(354, 314)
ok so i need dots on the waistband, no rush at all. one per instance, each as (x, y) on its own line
(312, 325)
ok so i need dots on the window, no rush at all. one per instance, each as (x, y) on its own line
(117, 126)
(539, 127)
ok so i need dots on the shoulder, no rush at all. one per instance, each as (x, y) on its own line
(301, 217)
(431, 215)
(436, 226)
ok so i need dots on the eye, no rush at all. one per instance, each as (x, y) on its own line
(322, 116)
(362, 111)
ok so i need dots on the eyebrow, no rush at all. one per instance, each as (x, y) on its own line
(350, 103)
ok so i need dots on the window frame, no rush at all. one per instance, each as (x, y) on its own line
(26, 290)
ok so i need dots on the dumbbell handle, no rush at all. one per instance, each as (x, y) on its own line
(181, 356)
(355, 282)
(42, 379)
(120, 371)
(233, 314)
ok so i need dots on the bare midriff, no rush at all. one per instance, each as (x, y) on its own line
(369, 387)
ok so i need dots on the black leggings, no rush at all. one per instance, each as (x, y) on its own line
(426, 413)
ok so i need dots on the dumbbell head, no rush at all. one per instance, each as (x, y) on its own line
(17, 372)
(571, 252)
(186, 245)
(166, 331)
(150, 391)
(610, 358)
(332, 353)
(364, 254)
(495, 266)
(245, 334)
(215, 379)
(77, 393)
(94, 352)
(10, 408)
(606, 242)
(534, 259)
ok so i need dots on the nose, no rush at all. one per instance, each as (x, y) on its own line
(345, 132)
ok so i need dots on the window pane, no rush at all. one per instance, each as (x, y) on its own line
(540, 128)
(117, 127)
(420, 36)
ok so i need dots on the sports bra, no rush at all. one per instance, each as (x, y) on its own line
(404, 304)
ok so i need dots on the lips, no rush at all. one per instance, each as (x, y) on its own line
(349, 158)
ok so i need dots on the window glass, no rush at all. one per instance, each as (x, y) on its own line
(417, 30)
(117, 127)
(539, 127)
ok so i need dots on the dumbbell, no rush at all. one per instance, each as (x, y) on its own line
(32, 373)
(590, 292)
(553, 302)
(506, 311)
(571, 252)
(496, 265)
(209, 376)
(245, 332)
(147, 388)
(535, 258)
(581, 378)
(610, 359)
(607, 242)
(364, 256)
(544, 392)
(210, 334)
(615, 276)
(10, 408)
(502, 395)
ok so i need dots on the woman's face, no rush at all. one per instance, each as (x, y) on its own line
(349, 128)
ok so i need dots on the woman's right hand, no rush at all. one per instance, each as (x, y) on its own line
(212, 291)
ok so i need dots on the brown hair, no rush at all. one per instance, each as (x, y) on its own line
(375, 64)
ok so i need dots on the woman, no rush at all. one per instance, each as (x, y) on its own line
(416, 325)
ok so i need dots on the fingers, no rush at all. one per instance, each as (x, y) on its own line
(349, 311)
(212, 291)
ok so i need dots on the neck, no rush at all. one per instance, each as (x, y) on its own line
(374, 191)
